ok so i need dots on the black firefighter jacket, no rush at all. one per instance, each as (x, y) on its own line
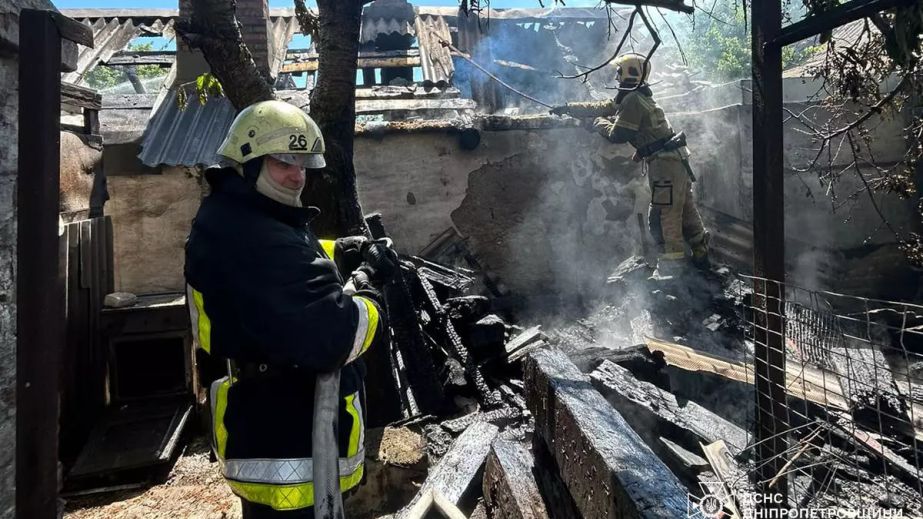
(261, 290)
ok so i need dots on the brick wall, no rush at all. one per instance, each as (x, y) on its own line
(256, 28)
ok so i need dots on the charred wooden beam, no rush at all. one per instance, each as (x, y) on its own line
(768, 242)
(433, 305)
(454, 280)
(846, 431)
(830, 19)
(72, 30)
(407, 337)
(368, 62)
(139, 57)
(460, 469)
(608, 469)
(689, 424)
(510, 489)
(79, 96)
(379, 106)
(496, 416)
(803, 382)
(558, 500)
(672, 5)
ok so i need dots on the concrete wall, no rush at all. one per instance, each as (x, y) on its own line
(9, 105)
(548, 210)
(537, 206)
(151, 217)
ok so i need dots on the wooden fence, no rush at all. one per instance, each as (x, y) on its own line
(86, 257)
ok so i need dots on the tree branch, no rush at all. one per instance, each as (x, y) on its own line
(213, 28)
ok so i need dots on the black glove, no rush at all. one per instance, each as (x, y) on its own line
(351, 242)
(362, 282)
(558, 110)
(381, 262)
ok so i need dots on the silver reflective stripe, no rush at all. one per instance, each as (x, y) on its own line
(357, 403)
(284, 471)
(361, 330)
(193, 317)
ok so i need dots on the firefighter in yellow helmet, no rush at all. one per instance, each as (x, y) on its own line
(288, 315)
(634, 117)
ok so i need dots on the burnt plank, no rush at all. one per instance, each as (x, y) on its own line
(81, 96)
(645, 404)
(846, 430)
(460, 469)
(461, 353)
(608, 469)
(409, 344)
(72, 30)
(524, 339)
(510, 489)
(519, 354)
(503, 414)
(558, 500)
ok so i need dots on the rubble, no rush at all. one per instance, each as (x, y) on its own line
(591, 415)
(119, 300)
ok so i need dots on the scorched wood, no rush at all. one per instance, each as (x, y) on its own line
(606, 466)
(510, 489)
(474, 374)
(460, 468)
(688, 424)
(407, 337)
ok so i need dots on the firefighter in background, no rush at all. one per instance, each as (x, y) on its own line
(634, 117)
(269, 300)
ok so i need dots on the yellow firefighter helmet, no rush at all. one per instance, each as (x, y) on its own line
(631, 69)
(274, 128)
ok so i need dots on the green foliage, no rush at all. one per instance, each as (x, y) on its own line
(206, 85)
(719, 46)
(103, 76)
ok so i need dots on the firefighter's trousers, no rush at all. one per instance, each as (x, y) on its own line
(673, 217)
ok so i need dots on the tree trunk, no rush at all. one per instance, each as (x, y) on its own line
(333, 106)
(214, 29)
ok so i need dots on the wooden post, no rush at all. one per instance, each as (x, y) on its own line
(39, 287)
(768, 242)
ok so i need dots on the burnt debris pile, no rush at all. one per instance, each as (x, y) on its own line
(643, 405)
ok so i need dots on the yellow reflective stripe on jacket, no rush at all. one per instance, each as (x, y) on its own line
(219, 405)
(201, 324)
(373, 324)
(284, 484)
(357, 433)
(288, 497)
(329, 247)
(287, 484)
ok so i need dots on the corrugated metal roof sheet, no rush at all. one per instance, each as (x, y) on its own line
(187, 137)
(371, 28)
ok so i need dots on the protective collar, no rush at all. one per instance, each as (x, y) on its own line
(266, 186)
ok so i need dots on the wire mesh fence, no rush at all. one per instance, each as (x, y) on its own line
(839, 401)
